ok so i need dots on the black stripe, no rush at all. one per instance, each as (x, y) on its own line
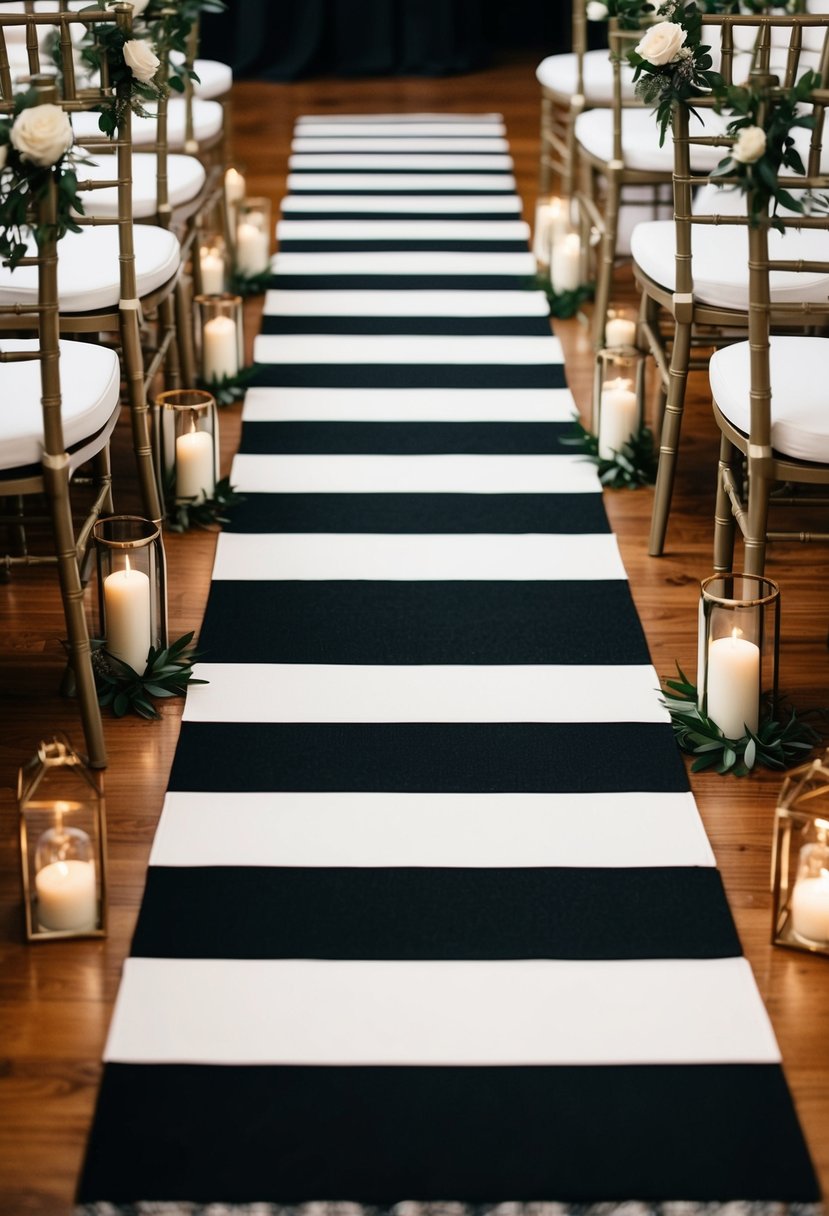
(298, 213)
(435, 914)
(406, 282)
(407, 375)
(428, 757)
(532, 327)
(371, 622)
(413, 513)
(407, 438)
(705, 1132)
(401, 245)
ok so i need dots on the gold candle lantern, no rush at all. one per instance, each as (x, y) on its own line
(220, 336)
(62, 844)
(212, 265)
(620, 329)
(189, 429)
(132, 591)
(618, 399)
(552, 221)
(253, 236)
(800, 860)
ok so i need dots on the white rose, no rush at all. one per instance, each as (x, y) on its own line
(662, 43)
(141, 59)
(42, 134)
(596, 11)
(750, 145)
(4, 155)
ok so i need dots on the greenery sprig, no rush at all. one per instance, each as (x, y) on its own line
(184, 514)
(250, 284)
(563, 304)
(633, 466)
(134, 81)
(230, 388)
(777, 744)
(762, 149)
(25, 183)
(168, 673)
(628, 14)
(169, 26)
(680, 67)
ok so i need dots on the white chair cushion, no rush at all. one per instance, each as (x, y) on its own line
(640, 139)
(208, 117)
(215, 78)
(90, 382)
(720, 262)
(559, 73)
(799, 417)
(88, 268)
(186, 176)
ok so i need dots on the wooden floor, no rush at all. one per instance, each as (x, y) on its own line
(55, 1000)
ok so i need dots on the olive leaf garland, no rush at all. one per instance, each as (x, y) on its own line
(168, 673)
(777, 744)
(632, 467)
(184, 514)
(563, 304)
(229, 389)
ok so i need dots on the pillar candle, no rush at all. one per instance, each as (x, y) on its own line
(618, 417)
(620, 331)
(212, 271)
(551, 222)
(734, 684)
(810, 908)
(195, 472)
(66, 896)
(220, 349)
(565, 259)
(127, 615)
(234, 187)
(251, 249)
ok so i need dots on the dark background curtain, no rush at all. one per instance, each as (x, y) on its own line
(291, 39)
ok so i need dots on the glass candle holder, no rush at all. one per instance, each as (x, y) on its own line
(62, 844)
(800, 860)
(253, 236)
(552, 221)
(189, 442)
(620, 328)
(213, 265)
(565, 262)
(739, 640)
(618, 399)
(132, 592)
(220, 337)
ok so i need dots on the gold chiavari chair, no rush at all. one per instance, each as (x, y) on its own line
(769, 395)
(695, 270)
(60, 402)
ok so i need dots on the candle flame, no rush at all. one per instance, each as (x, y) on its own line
(63, 869)
(736, 633)
(127, 568)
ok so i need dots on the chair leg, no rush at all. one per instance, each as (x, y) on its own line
(56, 480)
(669, 442)
(607, 261)
(139, 415)
(545, 172)
(759, 489)
(723, 514)
(184, 331)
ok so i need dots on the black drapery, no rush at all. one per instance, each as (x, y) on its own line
(291, 39)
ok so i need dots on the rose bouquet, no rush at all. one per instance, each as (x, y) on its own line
(671, 63)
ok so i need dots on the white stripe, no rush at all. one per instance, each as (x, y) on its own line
(355, 128)
(401, 162)
(339, 692)
(367, 555)
(406, 304)
(405, 119)
(401, 144)
(414, 475)
(408, 405)
(386, 349)
(613, 830)
(288, 1011)
(402, 230)
(400, 264)
(508, 203)
(400, 181)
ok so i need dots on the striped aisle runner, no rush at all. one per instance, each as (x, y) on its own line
(430, 915)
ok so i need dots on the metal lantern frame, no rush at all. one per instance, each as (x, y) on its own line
(81, 801)
(140, 540)
(618, 363)
(801, 820)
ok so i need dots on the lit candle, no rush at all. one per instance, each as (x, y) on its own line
(220, 349)
(127, 615)
(234, 187)
(620, 331)
(251, 249)
(212, 271)
(66, 896)
(551, 221)
(257, 219)
(810, 908)
(734, 684)
(565, 272)
(195, 473)
(618, 417)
